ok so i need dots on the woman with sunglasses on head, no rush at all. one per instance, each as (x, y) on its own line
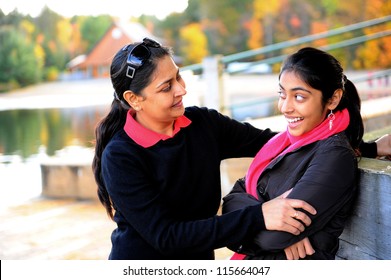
(157, 166)
(314, 160)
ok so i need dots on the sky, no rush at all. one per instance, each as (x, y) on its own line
(118, 8)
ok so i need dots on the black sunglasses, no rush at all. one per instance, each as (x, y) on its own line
(138, 55)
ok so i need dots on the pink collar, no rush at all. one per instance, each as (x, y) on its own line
(146, 137)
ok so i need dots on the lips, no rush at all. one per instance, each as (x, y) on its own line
(178, 104)
(293, 120)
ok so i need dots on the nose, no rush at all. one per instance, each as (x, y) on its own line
(180, 89)
(286, 105)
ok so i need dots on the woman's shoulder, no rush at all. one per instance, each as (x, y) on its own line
(337, 143)
(208, 115)
(120, 142)
(195, 111)
(339, 140)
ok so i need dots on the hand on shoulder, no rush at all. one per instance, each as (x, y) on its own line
(384, 146)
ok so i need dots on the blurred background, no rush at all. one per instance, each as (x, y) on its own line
(55, 87)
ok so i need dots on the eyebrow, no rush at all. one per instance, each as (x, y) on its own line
(297, 88)
(168, 80)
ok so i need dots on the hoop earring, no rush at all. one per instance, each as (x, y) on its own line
(331, 118)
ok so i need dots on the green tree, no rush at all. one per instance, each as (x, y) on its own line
(18, 61)
(13, 18)
(46, 23)
(223, 23)
(55, 56)
(169, 29)
(93, 28)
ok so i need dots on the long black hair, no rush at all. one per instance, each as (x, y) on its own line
(323, 72)
(115, 119)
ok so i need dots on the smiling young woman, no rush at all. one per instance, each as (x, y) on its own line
(315, 159)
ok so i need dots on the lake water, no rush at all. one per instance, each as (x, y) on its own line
(24, 132)
(29, 136)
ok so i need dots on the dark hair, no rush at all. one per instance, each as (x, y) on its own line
(323, 72)
(115, 119)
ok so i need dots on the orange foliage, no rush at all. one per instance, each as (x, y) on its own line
(256, 34)
(194, 42)
(263, 8)
(319, 27)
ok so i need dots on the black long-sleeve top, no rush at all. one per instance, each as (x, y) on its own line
(166, 196)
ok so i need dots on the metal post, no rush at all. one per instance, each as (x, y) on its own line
(213, 69)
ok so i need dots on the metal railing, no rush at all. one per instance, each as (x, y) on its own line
(341, 44)
(213, 67)
(305, 39)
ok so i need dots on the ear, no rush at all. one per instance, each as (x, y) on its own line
(335, 99)
(132, 99)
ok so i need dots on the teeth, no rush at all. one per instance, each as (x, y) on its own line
(294, 120)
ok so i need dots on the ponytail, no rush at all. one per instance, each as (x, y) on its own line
(104, 132)
(351, 100)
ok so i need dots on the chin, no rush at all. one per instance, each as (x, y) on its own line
(179, 111)
(294, 132)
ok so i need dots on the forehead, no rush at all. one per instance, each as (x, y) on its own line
(292, 79)
(165, 69)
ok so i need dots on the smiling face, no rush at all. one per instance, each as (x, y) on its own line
(160, 103)
(300, 104)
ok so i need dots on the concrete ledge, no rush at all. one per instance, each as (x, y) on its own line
(69, 175)
(367, 235)
(68, 181)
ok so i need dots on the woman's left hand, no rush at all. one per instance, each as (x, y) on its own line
(299, 250)
(384, 146)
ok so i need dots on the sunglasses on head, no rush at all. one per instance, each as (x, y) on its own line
(138, 55)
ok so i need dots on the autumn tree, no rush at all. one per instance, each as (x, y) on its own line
(193, 43)
(204, 28)
(375, 54)
(266, 12)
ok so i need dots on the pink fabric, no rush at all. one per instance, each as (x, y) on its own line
(283, 143)
(237, 257)
(146, 137)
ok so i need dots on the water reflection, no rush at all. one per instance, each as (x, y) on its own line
(25, 132)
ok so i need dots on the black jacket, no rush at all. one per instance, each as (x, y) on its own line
(323, 174)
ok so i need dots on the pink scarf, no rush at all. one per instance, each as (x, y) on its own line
(283, 143)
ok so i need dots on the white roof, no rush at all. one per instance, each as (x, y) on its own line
(136, 31)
